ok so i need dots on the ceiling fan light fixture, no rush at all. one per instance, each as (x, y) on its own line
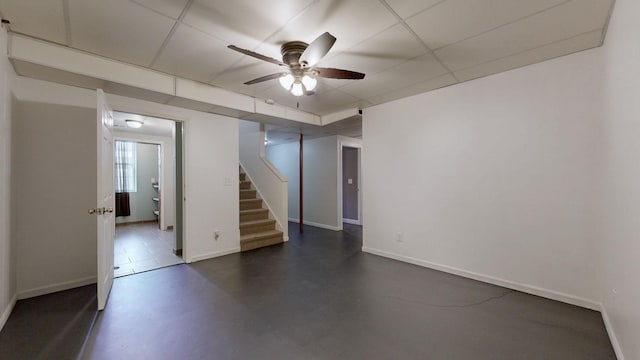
(135, 124)
(286, 81)
(309, 82)
(296, 89)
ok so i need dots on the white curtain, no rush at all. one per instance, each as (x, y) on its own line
(125, 166)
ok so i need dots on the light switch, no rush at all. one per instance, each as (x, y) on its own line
(227, 181)
(349, 181)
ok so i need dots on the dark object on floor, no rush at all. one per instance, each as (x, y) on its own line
(123, 205)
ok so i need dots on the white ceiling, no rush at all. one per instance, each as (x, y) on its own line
(405, 47)
(151, 125)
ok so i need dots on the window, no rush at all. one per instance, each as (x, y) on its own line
(125, 163)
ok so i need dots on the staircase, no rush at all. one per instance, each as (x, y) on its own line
(256, 228)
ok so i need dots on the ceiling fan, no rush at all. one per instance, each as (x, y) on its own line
(300, 59)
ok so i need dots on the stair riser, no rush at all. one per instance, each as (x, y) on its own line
(250, 245)
(257, 228)
(245, 186)
(248, 205)
(251, 194)
(253, 217)
(243, 177)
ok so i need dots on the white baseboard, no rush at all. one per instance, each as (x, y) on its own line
(318, 225)
(7, 311)
(526, 288)
(612, 335)
(48, 289)
(212, 255)
(351, 221)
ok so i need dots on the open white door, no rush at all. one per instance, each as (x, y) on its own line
(106, 201)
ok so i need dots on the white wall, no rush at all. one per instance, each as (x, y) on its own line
(211, 157)
(285, 158)
(7, 260)
(321, 174)
(54, 183)
(621, 129)
(167, 180)
(265, 177)
(493, 179)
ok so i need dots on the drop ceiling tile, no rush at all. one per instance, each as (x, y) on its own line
(385, 50)
(419, 88)
(170, 8)
(41, 19)
(411, 72)
(350, 21)
(245, 23)
(455, 20)
(328, 102)
(247, 69)
(535, 31)
(578, 43)
(195, 55)
(118, 29)
(406, 8)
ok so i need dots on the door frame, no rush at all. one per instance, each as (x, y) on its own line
(161, 176)
(185, 245)
(351, 143)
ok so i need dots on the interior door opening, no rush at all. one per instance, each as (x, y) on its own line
(351, 200)
(147, 177)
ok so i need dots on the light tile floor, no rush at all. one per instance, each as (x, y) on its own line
(142, 247)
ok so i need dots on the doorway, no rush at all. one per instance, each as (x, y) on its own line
(145, 188)
(351, 183)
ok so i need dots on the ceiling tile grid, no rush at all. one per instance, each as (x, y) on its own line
(454, 20)
(170, 8)
(565, 21)
(194, 55)
(404, 47)
(532, 56)
(118, 29)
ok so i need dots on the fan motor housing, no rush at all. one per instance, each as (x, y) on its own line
(291, 52)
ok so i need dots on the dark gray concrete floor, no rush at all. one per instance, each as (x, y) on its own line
(316, 297)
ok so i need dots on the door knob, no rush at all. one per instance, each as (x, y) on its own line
(108, 210)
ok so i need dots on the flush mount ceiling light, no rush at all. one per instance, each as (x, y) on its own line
(301, 59)
(136, 124)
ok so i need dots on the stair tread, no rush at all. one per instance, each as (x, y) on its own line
(260, 235)
(256, 222)
(251, 211)
(250, 200)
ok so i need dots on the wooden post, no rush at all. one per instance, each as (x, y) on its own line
(301, 217)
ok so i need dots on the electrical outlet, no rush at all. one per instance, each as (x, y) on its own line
(216, 235)
(399, 237)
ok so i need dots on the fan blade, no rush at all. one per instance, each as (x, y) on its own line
(317, 50)
(263, 78)
(338, 74)
(256, 55)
